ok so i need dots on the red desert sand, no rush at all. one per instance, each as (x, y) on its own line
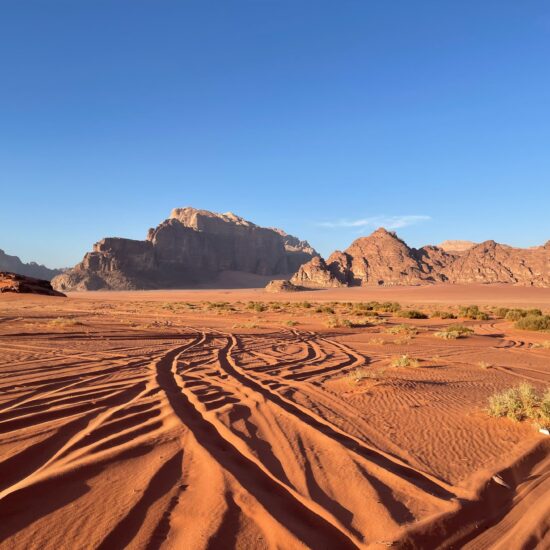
(197, 419)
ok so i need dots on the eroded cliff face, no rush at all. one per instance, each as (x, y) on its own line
(190, 247)
(383, 258)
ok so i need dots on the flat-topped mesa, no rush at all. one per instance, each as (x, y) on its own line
(383, 258)
(190, 247)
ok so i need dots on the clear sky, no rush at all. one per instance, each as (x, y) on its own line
(325, 118)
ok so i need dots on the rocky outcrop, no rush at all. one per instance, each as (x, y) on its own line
(317, 274)
(20, 284)
(384, 259)
(13, 264)
(281, 285)
(491, 262)
(190, 247)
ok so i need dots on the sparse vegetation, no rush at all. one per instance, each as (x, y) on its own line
(452, 332)
(402, 329)
(291, 323)
(442, 315)
(534, 321)
(473, 312)
(412, 314)
(361, 373)
(404, 361)
(484, 365)
(521, 403)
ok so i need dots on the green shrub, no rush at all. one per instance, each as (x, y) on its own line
(473, 312)
(501, 312)
(443, 315)
(452, 332)
(412, 314)
(534, 322)
(520, 403)
(256, 306)
(514, 314)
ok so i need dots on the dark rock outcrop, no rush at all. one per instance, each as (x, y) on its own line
(13, 264)
(384, 259)
(190, 247)
(281, 285)
(20, 284)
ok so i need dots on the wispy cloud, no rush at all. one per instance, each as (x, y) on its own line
(389, 222)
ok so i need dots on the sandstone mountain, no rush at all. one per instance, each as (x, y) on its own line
(384, 259)
(190, 247)
(14, 265)
(20, 284)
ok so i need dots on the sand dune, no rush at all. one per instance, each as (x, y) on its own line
(125, 424)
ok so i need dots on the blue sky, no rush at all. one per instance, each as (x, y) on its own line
(324, 118)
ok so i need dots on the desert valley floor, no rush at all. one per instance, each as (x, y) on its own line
(241, 419)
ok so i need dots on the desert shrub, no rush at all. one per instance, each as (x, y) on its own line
(544, 410)
(514, 314)
(473, 312)
(404, 361)
(377, 341)
(389, 307)
(402, 329)
(443, 315)
(291, 323)
(325, 309)
(533, 322)
(452, 332)
(520, 403)
(412, 314)
(305, 305)
(507, 403)
(484, 365)
(256, 306)
(501, 312)
(336, 322)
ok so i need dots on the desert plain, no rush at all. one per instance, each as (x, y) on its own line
(243, 419)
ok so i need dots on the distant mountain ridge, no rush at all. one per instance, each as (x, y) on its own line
(383, 258)
(189, 248)
(14, 265)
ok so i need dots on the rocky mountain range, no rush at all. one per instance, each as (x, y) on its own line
(14, 265)
(384, 259)
(190, 247)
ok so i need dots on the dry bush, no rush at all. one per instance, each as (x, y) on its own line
(404, 361)
(484, 365)
(452, 332)
(533, 321)
(442, 315)
(402, 329)
(541, 345)
(520, 403)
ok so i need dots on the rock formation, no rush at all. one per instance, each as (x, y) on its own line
(456, 246)
(384, 259)
(190, 247)
(281, 285)
(14, 282)
(14, 265)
